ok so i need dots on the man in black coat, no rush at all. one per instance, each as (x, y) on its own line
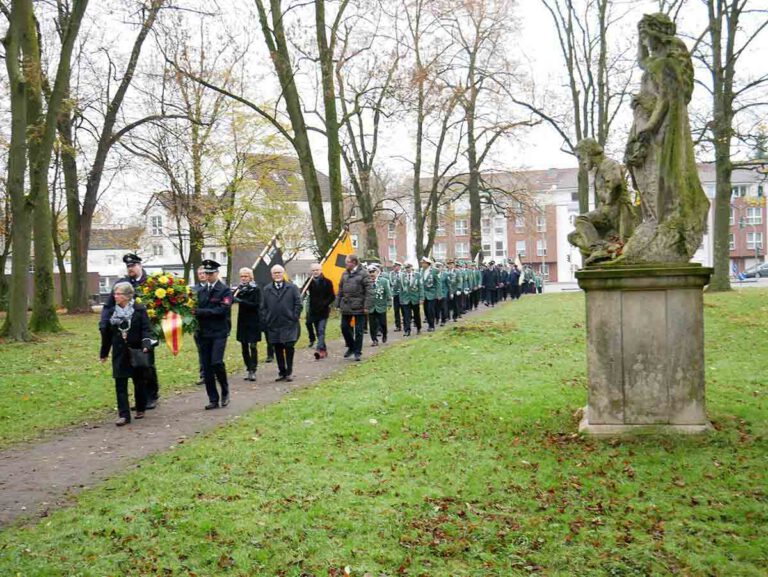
(354, 301)
(136, 277)
(214, 305)
(321, 297)
(280, 313)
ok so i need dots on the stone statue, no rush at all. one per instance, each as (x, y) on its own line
(659, 153)
(602, 233)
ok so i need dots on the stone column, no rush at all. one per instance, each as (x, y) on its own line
(645, 349)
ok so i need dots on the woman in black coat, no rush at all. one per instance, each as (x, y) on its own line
(280, 312)
(127, 328)
(248, 295)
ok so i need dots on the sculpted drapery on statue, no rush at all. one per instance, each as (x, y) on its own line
(659, 153)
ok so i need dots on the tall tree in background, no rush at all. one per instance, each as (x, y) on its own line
(81, 210)
(733, 27)
(598, 75)
(35, 116)
(483, 79)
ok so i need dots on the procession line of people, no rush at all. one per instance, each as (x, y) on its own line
(442, 292)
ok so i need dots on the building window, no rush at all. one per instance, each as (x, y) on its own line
(157, 249)
(499, 227)
(104, 287)
(110, 259)
(156, 225)
(222, 257)
(520, 247)
(544, 270)
(500, 251)
(391, 230)
(440, 231)
(353, 212)
(486, 226)
(755, 215)
(739, 191)
(754, 240)
(392, 251)
(462, 249)
(461, 227)
(212, 255)
(439, 251)
(355, 243)
(541, 247)
(487, 248)
(731, 242)
(760, 191)
(541, 223)
(519, 223)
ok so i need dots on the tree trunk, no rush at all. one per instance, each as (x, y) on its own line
(15, 325)
(418, 217)
(721, 247)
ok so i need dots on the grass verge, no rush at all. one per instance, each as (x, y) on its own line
(448, 455)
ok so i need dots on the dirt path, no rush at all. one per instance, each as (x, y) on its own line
(36, 478)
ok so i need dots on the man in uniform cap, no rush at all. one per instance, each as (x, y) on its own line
(396, 285)
(411, 297)
(429, 279)
(136, 277)
(382, 299)
(214, 305)
(441, 314)
(453, 289)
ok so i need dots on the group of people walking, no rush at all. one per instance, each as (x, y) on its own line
(443, 292)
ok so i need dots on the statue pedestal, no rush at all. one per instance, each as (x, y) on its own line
(645, 349)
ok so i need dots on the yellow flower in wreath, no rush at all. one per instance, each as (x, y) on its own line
(190, 303)
(170, 291)
(163, 280)
(151, 313)
(160, 293)
(138, 301)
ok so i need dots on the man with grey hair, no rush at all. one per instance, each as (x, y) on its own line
(280, 312)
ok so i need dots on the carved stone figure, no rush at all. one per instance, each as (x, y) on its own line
(659, 153)
(602, 233)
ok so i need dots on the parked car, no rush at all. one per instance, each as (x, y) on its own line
(757, 271)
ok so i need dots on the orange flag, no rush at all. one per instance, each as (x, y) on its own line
(333, 263)
(172, 329)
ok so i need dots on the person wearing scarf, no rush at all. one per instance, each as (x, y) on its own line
(128, 327)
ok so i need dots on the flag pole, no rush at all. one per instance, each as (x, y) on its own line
(264, 250)
(342, 234)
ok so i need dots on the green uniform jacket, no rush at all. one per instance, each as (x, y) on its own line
(382, 295)
(452, 282)
(466, 281)
(442, 289)
(411, 293)
(430, 280)
(478, 278)
(394, 282)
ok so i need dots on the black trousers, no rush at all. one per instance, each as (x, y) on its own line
(151, 384)
(250, 355)
(430, 312)
(139, 392)
(353, 337)
(453, 306)
(284, 356)
(199, 354)
(475, 298)
(213, 366)
(378, 323)
(270, 351)
(411, 313)
(442, 310)
(396, 305)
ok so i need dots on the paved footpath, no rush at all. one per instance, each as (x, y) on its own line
(39, 477)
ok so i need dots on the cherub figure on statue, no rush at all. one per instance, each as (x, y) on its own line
(601, 233)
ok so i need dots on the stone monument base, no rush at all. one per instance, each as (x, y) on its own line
(645, 349)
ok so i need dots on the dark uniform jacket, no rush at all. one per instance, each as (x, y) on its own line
(280, 312)
(214, 306)
(248, 321)
(355, 294)
(321, 298)
(112, 338)
(109, 306)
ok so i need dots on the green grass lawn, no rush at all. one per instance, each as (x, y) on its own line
(451, 455)
(58, 380)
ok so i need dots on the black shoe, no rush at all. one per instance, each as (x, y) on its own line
(357, 357)
(288, 379)
(251, 376)
(270, 360)
(407, 333)
(384, 339)
(317, 355)
(151, 404)
(139, 415)
(280, 378)
(201, 381)
(122, 421)
(374, 343)
(348, 354)
(211, 405)
(431, 330)
(397, 329)
(224, 400)
(311, 344)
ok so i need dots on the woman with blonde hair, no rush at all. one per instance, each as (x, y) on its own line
(248, 296)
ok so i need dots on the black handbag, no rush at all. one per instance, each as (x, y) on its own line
(138, 359)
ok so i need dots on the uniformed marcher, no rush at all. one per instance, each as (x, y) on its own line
(411, 298)
(382, 299)
(202, 279)
(514, 282)
(453, 288)
(395, 285)
(429, 280)
(214, 305)
(442, 293)
(248, 296)
(136, 277)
